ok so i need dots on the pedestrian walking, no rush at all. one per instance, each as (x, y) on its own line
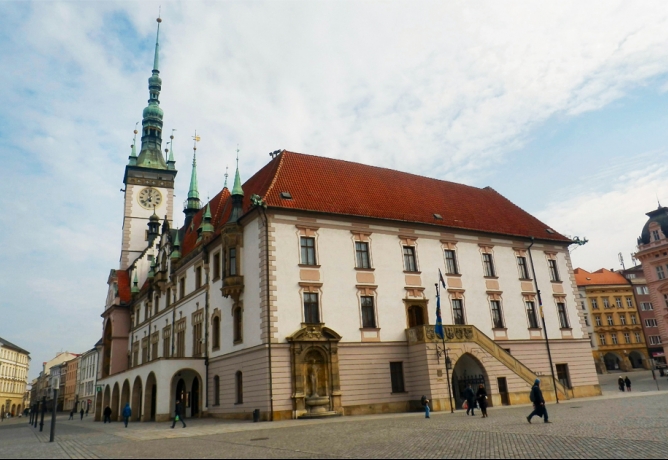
(127, 413)
(469, 396)
(82, 413)
(178, 415)
(71, 415)
(620, 383)
(536, 397)
(627, 382)
(481, 396)
(87, 410)
(107, 414)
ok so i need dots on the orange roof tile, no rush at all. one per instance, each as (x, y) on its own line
(124, 288)
(598, 278)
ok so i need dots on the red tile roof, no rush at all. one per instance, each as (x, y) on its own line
(124, 288)
(330, 186)
(598, 278)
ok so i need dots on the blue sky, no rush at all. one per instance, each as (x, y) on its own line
(560, 107)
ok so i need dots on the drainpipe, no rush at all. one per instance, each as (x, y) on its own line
(542, 318)
(271, 379)
(205, 256)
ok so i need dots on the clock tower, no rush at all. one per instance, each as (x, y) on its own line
(149, 180)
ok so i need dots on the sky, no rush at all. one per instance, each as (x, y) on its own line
(559, 106)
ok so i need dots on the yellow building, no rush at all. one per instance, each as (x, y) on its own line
(14, 363)
(615, 329)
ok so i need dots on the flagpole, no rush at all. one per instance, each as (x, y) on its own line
(445, 354)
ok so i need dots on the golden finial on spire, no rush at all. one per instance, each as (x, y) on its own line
(196, 138)
(159, 20)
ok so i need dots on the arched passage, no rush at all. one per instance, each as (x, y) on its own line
(101, 401)
(150, 398)
(468, 370)
(13, 411)
(182, 385)
(125, 397)
(136, 399)
(115, 400)
(636, 358)
(613, 362)
(106, 355)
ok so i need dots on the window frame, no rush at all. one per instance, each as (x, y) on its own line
(660, 272)
(216, 266)
(306, 251)
(488, 268)
(215, 332)
(362, 255)
(410, 259)
(311, 301)
(451, 263)
(523, 268)
(458, 305)
(562, 313)
(397, 378)
(239, 388)
(554, 270)
(497, 314)
(237, 325)
(368, 308)
(232, 268)
(216, 390)
(530, 307)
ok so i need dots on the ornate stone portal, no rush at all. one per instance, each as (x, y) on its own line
(315, 372)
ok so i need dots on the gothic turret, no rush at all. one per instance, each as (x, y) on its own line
(153, 227)
(176, 248)
(193, 203)
(170, 162)
(132, 159)
(151, 139)
(206, 227)
(237, 197)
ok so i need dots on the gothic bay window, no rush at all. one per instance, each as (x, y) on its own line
(458, 312)
(368, 312)
(415, 316)
(237, 318)
(311, 308)
(232, 259)
(497, 315)
(451, 267)
(307, 245)
(523, 268)
(531, 314)
(362, 254)
(563, 316)
(410, 264)
(554, 271)
(488, 265)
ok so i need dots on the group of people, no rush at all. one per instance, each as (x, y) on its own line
(624, 383)
(81, 412)
(127, 413)
(479, 399)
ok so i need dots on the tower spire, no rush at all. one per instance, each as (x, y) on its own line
(237, 190)
(171, 162)
(237, 196)
(133, 152)
(193, 204)
(225, 185)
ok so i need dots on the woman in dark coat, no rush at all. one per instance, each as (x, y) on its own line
(620, 383)
(481, 396)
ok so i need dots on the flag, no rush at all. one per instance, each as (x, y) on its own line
(439, 322)
(440, 277)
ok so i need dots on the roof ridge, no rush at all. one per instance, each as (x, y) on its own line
(278, 171)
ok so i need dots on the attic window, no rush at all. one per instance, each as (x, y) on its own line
(549, 230)
(286, 195)
(438, 216)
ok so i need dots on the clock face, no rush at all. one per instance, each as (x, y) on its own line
(149, 198)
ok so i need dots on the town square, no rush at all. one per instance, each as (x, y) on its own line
(334, 229)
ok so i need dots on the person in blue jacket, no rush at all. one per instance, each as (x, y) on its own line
(127, 413)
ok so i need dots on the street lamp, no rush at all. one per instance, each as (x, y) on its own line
(448, 368)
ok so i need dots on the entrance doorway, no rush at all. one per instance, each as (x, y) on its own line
(194, 410)
(612, 362)
(503, 391)
(468, 371)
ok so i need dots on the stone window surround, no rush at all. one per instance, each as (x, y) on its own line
(409, 241)
(456, 295)
(422, 303)
(368, 291)
(496, 297)
(486, 248)
(450, 245)
(552, 255)
(361, 237)
(217, 267)
(522, 252)
(536, 308)
(307, 231)
(562, 299)
(216, 314)
(314, 288)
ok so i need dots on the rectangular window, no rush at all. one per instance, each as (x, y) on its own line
(135, 355)
(308, 250)
(155, 340)
(409, 259)
(618, 302)
(650, 323)
(655, 235)
(634, 320)
(653, 339)
(646, 306)
(614, 338)
(606, 302)
(660, 273)
(497, 315)
(451, 267)
(197, 339)
(233, 261)
(629, 302)
(627, 337)
(645, 290)
(563, 317)
(198, 277)
(311, 308)
(362, 254)
(638, 338)
(182, 288)
(554, 271)
(488, 265)
(397, 376)
(156, 304)
(368, 312)
(601, 339)
(622, 319)
(168, 297)
(594, 304)
(610, 321)
(563, 375)
(216, 266)
(531, 315)
(166, 342)
(181, 339)
(586, 318)
(522, 266)
(458, 311)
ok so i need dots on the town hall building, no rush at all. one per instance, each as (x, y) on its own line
(309, 290)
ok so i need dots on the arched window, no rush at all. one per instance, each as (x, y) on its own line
(239, 382)
(216, 391)
(238, 325)
(415, 316)
(216, 332)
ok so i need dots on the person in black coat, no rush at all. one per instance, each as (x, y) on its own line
(178, 414)
(627, 382)
(538, 403)
(481, 396)
(107, 414)
(620, 383)
(469, 396)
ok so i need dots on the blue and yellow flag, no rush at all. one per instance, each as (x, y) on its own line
(439, 322)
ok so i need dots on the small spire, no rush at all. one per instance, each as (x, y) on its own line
(156, 58)
(135, 284)
(237, 190)
(133, 152)
(225, 185)
(170, 161)
(193, 191)
(176, 253)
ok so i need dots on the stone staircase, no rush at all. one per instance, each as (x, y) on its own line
(463, 334)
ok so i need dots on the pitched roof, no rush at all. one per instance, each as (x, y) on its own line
(326, 185)
(10, 345)
(598, 278)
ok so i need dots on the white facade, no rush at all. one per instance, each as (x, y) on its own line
(87, 379)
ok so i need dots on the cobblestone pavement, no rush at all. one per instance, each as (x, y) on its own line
(617, 426)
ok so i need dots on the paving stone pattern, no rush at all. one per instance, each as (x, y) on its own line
(615, 426)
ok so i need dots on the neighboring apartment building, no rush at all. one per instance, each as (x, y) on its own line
(87, 380)
(14, 365)
(617, 335)
(43, 387)
(653, 255)
(636, 277)
(71, 396)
